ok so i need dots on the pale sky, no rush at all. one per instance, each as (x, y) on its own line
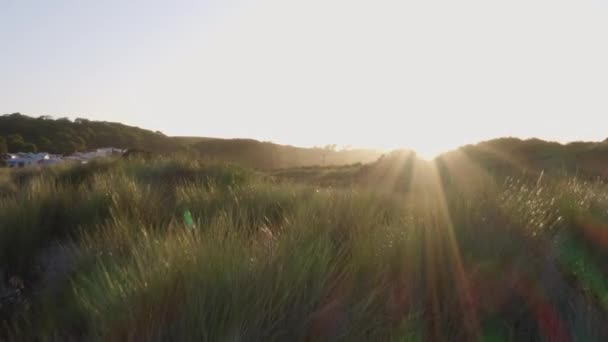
(429, 75)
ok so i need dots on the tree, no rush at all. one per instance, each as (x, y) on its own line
(3, 145)
(29, 147)
(15, 143)
(330, 147)
(67, 143)
(44, 144)
(78, 143)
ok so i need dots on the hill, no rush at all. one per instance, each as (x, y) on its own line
(467, 165)
(22, 133)
(508, 155)
(267, 155)
(504, 155)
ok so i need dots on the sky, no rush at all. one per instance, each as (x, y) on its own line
(429, 75)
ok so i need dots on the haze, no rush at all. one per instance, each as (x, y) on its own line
(428, 75)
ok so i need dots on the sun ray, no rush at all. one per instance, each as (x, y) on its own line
(468, 310)
(442, 251)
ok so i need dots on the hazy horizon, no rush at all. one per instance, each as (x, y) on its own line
(339, 147)
(430, 76)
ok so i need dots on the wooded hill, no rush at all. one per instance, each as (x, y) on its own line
(508, 155)
(63, 136)
(22, 133)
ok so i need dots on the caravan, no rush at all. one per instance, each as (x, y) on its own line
(20, 160)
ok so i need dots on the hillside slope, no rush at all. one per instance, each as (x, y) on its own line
(22, 133)
(507, 155)
(504, 155)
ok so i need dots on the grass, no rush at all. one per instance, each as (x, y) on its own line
(299, 254)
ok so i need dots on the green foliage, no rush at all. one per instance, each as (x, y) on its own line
(505, 240)
(15, 143)
(177, 249)
(3, 145)
(63, 136)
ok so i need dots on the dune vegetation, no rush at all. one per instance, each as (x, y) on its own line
(176, 249)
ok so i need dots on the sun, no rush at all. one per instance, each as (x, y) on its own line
(432, 148)
(426, 149)
(423, 152)
(428, 152)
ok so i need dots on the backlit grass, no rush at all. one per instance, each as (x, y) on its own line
(265, 258)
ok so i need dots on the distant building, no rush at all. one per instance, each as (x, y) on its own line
(85, 157)
(19, 160)
(6, 156)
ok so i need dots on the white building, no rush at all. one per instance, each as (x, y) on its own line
(85, 157)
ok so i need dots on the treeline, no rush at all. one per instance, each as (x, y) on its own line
(22, 133)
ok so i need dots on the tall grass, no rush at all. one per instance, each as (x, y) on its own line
(263, 259)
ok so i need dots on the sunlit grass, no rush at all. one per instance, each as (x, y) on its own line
(403, 251)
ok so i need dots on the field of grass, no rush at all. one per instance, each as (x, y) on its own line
(399, 250)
